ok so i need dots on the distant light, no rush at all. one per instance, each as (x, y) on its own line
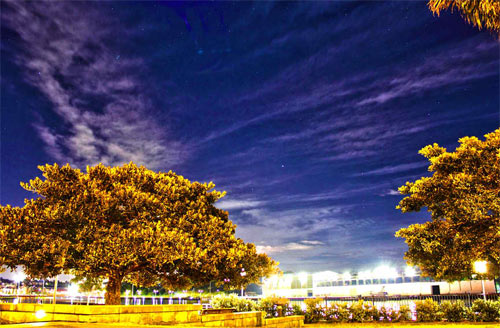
(139, 292)
(20, 276)
(40, 314)
(385, 272)
(480, 267)
(127, 292)
(346, 276)
(325, 276)
(365, 275)
(410, 272)
(73, 290)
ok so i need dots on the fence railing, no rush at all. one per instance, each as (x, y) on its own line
(388, 301)
(468, 299)
(84, 300)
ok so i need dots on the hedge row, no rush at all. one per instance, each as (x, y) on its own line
(361, 311)
(267, 305)
(425, 311)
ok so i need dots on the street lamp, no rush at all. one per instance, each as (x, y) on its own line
(243, 273)
(480, 267)
(18, 278)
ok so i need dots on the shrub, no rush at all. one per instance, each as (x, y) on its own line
(297, 310)
(268, 305)
(388, 314)
(404, 313)
(314, 312)
(486, 311)
(427, 310)
(337, 313)
(246, 305)
(453, 312)
(232, 301)
(223, 301)
(360, 311)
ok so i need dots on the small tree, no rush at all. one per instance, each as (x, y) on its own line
(125, 222)
(463, 198)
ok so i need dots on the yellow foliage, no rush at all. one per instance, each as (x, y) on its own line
(463, 198)
(126, 222)
(479, 13)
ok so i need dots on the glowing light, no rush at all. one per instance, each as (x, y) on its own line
(73, 290)
(410, 272)
(325, 276)
(40, 314)
(385, 272)
(139, 292)
(303, 278)
(346, 276)
(480, 267)
(20, 276)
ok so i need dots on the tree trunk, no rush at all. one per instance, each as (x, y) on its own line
(112, 296)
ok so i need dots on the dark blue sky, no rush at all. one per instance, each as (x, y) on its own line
(309, 115)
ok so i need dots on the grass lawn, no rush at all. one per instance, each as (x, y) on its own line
(406, 325)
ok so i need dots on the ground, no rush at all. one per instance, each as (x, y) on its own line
(316, 325)
(406, 325)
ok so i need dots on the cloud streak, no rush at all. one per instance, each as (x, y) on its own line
(69, 59)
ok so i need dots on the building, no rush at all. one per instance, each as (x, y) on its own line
(381, 281)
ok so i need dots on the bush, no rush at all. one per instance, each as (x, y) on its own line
(404, 313)
(427, 310)
(268, 305)
(453, 312)
(388, 314)
(337, 313)
(232, 301)
(360, 311)
(245, 305)
(297, 310)
(486, 311)
(314, 312)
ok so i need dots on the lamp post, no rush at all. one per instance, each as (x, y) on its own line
(480, 267)
(243, 273)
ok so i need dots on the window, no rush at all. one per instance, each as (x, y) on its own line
(361, 282)
(353, 282)
(391, 281)
(399, 280)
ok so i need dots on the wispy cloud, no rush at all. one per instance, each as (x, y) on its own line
(391, 192)
(391, 169)
(67, 56)
(237, 204)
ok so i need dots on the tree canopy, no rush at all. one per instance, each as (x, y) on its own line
(479, 13)
(126, 222)
(462, 196)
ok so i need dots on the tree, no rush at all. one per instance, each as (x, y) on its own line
(462, 196)
(125, 222)
(480, 13)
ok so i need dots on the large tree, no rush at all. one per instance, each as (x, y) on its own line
(463, 198)
(125, 222)
(479, 13)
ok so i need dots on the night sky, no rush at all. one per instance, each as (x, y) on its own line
(310, 115)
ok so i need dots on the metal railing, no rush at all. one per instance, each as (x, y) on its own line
(84, 300)
(390, 301)
(387, 301)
